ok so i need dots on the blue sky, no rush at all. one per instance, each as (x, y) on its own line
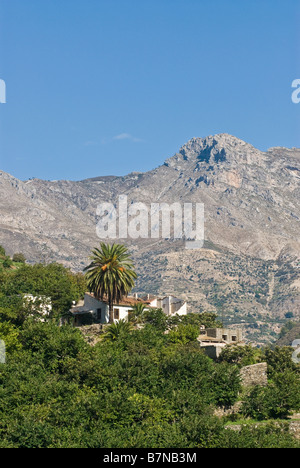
(100, 87)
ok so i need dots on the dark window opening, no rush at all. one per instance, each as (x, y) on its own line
(116, 314)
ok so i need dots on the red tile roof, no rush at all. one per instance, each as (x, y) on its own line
(127, 301)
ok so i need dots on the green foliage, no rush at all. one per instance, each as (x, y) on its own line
(255, 404)
(289, 315)
(288, 326)
(7, 263)
(49, 281)
(10, 335)
(19, 258)
(277, 400)
(139, 390)
(117, 330)
(227, 384)
(2, 251)
(279, 360)
(137, 313)
(157, 318)
(268, 435)
(183, 334)
(241, 355)
(206, 319)
(282, 394)
(145, 387)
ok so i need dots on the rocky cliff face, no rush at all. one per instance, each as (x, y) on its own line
(248, 269)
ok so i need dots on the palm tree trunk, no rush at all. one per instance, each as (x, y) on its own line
(111, 309)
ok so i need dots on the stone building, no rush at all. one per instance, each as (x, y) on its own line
(213, 340)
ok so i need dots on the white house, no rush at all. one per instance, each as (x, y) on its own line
(171, 305)
(38, 304)
(92, 310)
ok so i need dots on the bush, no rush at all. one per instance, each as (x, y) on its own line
(276, 401)
(183, 334)
(7, 262)
(279, 360)
(227, 384)
(244, 355)
(19, 258)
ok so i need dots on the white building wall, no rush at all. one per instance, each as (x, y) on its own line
(171, 305)
(91, 304)
(40, 304)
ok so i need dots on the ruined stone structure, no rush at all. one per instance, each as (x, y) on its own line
(213, 340)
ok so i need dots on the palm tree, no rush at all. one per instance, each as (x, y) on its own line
(110, 274)
(137, 312)
(115, 330)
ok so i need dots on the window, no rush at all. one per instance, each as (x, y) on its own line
(116, 314)
(224, 337)
(233, 338)
(99, 314)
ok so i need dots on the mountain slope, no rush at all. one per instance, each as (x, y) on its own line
(249, 269)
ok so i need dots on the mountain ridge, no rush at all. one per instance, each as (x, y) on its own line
(252, 215)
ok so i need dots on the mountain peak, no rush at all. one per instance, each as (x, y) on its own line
(217, 145)
(216, 149)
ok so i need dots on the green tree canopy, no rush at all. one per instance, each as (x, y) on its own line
(53, 281)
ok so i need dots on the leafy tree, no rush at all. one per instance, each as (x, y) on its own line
(277, 400)
(10, 335)
(157, 318)
(283, 394)
(54, 344)
(52, 281)
(183, 334)
(268, 435)
(206, 319)
(287, 327)
(279, 360)
(244, 355)
(19, 258)
(227, 384)
(79, 284)
(110, 274)
(7, 262)
(289, 315)
(255, 404)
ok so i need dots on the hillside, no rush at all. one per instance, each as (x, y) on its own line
(248, 270)
(289, 333)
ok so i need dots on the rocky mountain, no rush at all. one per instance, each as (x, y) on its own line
(249, 268)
